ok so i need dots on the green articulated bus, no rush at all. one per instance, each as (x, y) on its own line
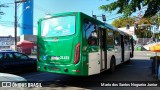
(74, 43)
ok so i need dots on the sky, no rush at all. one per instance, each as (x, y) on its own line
(43, 7)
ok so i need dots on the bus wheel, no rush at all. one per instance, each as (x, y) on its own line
(112, 65)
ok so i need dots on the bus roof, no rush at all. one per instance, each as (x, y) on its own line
(111, 27)
(115, 29)
(71, 13)
(88, 17)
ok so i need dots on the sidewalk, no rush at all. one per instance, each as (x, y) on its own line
(145, 53)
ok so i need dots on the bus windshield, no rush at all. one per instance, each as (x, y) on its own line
(58, 26)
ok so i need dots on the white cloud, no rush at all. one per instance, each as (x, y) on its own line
(34, 30)
(6, 31)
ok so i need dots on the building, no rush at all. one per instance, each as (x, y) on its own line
(6, 42)
(31, 38)
(27, 42)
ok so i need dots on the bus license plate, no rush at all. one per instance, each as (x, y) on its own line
(55, 58)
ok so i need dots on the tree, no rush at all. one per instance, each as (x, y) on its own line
(122, 22)
(140, 32)
(127, 7)
(145, 21)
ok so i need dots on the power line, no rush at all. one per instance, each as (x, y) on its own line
(11, 23)
(2, 5)
(42, 9)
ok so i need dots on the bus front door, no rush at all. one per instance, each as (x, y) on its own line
(103, 50)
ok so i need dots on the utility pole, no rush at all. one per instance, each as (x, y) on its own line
(15, 21)
(15, 25)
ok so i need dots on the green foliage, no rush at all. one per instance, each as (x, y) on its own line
(145, 21)
(127, 7)
(122, 22)
(141, 33)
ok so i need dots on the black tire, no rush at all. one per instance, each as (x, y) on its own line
(112, 65)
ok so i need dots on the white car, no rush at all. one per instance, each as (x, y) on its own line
(7, 82)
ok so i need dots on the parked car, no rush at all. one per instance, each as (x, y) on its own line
(13, 62)
(7, 80)
(6, 50)
(11, 77)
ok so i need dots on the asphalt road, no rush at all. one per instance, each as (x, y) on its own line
(138, 71)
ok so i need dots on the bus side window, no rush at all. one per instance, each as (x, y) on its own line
(117, 41)
(110, 38)
(92, 40)
(91, 33)
(126, 40)
(116, 38)
(102, 36)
